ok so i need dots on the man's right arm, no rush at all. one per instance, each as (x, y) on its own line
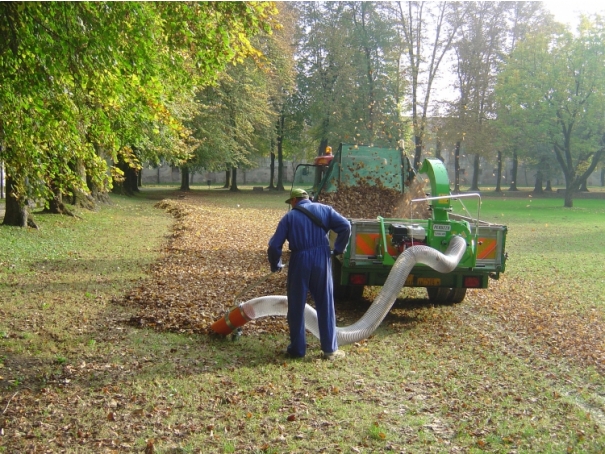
(276, 243)
(342, 227)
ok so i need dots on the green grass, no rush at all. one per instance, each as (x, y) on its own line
(556, 247)
(77, 378)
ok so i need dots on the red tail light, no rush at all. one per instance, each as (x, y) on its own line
(472, 282)
(357, 279)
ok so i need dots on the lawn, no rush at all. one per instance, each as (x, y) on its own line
(104, 343)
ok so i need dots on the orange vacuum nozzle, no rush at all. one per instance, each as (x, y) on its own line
(234, 318)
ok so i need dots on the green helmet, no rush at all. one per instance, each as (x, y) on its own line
(298, 193)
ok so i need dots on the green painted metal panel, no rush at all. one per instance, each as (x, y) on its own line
(353, 164)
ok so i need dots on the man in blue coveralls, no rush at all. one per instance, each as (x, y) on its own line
(306, 228)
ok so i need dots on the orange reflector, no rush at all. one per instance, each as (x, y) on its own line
(357, 279)
(472, 282)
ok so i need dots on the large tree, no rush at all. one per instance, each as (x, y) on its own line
(348, 81)
(488, 33)
(427, 31)
(554, 84)
(279, 48)
(234, 118)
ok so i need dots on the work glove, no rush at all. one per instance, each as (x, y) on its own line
(278, 267)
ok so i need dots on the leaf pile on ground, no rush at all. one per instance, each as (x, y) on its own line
(216, 254)
(368, 201)
(213, 255)
(539, 312)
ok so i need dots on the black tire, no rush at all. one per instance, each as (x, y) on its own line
(456, 295)
(438, 295)
(356, 292)
(340, 291)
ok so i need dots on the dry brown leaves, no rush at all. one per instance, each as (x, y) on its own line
(367, 201)
(214, 254)
(542, 314)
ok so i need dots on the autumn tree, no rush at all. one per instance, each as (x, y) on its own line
(235, 115)
(348, 80)
(279, 49)
(427, 31)
(323, 65)
(523, 18)
(555, 84)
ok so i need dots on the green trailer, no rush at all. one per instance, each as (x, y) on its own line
(376, 243)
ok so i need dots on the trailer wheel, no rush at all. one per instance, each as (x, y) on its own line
(356, 292)
(340, 291)
(438, 295)
(344, 292)
(456, 295)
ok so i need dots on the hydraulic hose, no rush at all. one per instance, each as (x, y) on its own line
(278, 305)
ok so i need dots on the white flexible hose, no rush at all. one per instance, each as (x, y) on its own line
(444, 263)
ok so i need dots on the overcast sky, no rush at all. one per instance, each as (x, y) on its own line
(567, 11)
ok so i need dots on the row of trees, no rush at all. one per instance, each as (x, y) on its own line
(89, 91)
(441, 73)
(494, 80)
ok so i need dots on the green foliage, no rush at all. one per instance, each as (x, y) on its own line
(233, 113)
(83, 83)
(553, 90)
(348, 73)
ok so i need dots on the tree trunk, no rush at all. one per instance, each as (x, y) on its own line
(272, 154)
(417, 151)
(603, 176)
(499, 173)
(129, 185)
(457, 168)
(227, 178)
(56, 205)
(234, 180)
(132, 180)
(80, 198)
(568, 197)
(513, 183)
(16, 211)
(280, 156)
(280, 170)
(548, 187)
(438, 151)
(476, 171)
(539, 180)
(185, 179)
(272, 169)
(584, 185)
(2, 187)
(98, 194)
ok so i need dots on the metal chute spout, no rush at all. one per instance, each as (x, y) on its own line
(278, 305)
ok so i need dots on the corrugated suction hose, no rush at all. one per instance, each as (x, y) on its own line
(265, 306)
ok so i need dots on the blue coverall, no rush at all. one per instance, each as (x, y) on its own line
(309, 270)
